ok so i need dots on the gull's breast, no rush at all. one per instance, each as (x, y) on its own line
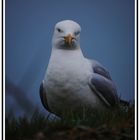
(67, 84)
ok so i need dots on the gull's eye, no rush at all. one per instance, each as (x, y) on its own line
(59, 30)
(77, 33)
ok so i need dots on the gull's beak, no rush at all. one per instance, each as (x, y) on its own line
(68, 39)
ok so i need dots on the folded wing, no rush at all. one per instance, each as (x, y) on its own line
(102, 84)
(43, 97)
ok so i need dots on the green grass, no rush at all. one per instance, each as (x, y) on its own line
(110, 125)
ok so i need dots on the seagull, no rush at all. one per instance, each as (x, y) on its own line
(73, 82)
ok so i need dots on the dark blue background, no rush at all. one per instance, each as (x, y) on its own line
(107, 36)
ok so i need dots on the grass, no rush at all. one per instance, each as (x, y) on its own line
(117, 124)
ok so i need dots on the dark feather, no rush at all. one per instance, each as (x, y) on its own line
(102, 84)
(43, 97)
(102, 71)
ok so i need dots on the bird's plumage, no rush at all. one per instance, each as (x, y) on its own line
(43, 97)
(73, 82)
(103, 85)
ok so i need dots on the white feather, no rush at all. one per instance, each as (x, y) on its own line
(67, 77)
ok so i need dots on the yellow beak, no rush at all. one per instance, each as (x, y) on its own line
(68, 39)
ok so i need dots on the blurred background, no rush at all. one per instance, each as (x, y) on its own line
(107, 36)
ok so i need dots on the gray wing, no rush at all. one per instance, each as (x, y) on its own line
(102, 84)
(43, 97)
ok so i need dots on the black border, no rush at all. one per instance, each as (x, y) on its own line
(2, 65)
(136, 24)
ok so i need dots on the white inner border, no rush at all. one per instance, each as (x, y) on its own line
(1, 73)
(136, 113)
(137, 76)
(3, 69)
(136, 20)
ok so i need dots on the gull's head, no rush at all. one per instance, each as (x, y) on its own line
(66, 35)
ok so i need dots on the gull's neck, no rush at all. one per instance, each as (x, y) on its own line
(67, 54)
